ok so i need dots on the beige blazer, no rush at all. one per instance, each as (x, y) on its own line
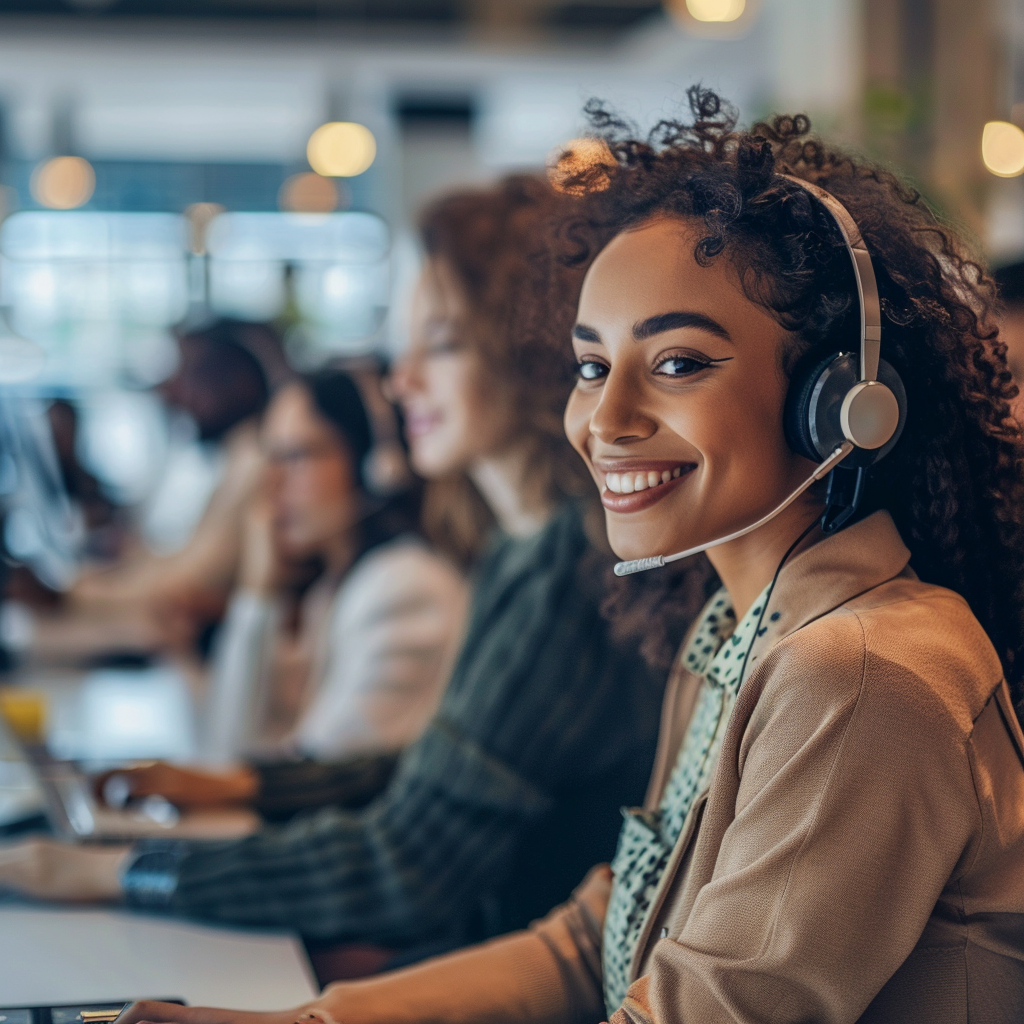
(858, 857)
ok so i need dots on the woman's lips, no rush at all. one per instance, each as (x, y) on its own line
(418, 424)
(639, 500)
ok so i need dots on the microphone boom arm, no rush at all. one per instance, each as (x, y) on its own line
(656, 561)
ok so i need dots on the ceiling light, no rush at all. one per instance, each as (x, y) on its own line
(199, 217)
(308, 193)
(1002, 149)
(63, 183)
(578, 166)
(341, 149)
(716, 10)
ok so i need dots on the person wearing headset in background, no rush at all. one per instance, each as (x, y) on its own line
(835, 826)
(225, 374)
(319, 682)
(144, 601)
(379, 625)
(362, 671)
(548, 725)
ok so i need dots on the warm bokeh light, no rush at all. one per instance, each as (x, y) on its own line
(308, 193)
(716, 10)
(1002, 149)
(200, 216)
(341, 149)
(584, 157)
(63, 183)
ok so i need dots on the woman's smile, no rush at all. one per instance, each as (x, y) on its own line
(419, 424)
(631, 485)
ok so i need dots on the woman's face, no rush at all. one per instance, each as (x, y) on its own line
(678, 407)
(452, 417)
(312, 480)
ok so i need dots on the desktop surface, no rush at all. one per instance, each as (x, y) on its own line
(51, 955)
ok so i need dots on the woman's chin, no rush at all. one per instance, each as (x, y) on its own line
(432, 461)
(628, 548)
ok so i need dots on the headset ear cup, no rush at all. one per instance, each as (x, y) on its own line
(798, 413)
(815, 398)
(888, 375)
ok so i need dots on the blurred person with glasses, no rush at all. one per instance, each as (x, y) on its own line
(340, 634)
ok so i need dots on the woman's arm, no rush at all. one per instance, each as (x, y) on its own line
(547, 975)
(241, 676)
(286, 787)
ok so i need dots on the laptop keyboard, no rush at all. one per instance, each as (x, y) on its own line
(93, 1013)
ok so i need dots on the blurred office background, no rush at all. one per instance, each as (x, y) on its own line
(168, 160)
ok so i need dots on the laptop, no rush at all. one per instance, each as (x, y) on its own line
(92, 1013)
(64, 794)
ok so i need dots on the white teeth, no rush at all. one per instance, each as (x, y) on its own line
(626, 483)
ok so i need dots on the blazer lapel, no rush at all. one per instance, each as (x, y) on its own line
(686, 838)
(820, 579)
(827, 575)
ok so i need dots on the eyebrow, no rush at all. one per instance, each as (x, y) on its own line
(584, 333)
(675, 321)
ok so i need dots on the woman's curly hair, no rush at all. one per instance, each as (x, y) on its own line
(492, 240)
(953, 483)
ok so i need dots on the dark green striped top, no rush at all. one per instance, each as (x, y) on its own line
(491, 818)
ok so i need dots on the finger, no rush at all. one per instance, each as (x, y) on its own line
(148, 1011)
(99, 780)
(117, 789)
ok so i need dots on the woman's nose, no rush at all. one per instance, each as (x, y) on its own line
(619, 417)
(402, 380)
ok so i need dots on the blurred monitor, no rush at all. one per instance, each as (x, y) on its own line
(40, 528)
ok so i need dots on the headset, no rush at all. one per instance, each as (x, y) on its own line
(845, 412)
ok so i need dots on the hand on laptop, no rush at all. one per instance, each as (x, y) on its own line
(48, 870)
(150, 1012)
(183, 787)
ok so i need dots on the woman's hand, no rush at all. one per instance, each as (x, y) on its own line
(262, 567)
(48, 870)
(149, 1012)
(183, 787)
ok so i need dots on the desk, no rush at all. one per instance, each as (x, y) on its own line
(60, 955)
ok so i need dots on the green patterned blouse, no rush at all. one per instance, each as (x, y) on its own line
(717, 651)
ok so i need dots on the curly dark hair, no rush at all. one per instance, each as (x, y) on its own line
(953, 483)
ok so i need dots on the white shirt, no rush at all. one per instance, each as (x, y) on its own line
(378, 670)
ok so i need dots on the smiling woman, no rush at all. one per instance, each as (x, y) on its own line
(834, 830)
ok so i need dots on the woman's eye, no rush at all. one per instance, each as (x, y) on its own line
(443, 347)
(680, 366)
(587, 369)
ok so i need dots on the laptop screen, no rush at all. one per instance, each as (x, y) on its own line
(21, 797)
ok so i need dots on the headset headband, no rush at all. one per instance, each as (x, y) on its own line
(863, 272)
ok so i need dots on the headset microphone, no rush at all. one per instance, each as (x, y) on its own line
(655, 562)
(845, 406)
